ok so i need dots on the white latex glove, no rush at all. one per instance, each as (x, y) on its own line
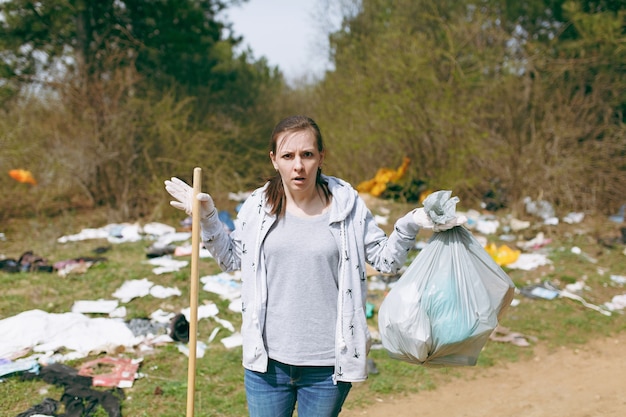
(183, 194)
(423, 220)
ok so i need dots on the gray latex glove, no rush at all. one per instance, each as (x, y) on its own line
(183, 194)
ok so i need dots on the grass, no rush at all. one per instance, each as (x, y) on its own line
(162, 388)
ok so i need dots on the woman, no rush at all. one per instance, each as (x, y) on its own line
(302, 242)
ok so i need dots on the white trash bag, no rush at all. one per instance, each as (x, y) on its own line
(448, 301)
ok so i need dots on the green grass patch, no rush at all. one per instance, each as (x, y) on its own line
(162, 387)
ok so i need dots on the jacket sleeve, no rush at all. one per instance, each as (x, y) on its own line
(225, 247)
(388, 254)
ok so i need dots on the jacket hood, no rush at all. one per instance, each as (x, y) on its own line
(344, 198)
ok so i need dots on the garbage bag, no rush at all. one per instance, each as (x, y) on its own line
(446, 304)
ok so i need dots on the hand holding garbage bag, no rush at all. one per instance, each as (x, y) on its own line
(450, 298)
(439, 212)
(183, 193)
(423, 220)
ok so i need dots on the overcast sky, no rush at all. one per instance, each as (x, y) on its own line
(286, 32)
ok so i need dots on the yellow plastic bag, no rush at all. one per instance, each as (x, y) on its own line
(503, 255)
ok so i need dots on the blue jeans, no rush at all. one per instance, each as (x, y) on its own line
(276, 392)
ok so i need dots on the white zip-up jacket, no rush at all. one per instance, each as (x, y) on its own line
(360, 240)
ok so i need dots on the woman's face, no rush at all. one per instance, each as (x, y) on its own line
(297, 161)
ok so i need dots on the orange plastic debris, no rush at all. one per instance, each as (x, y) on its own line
(425, 194)
(21, 175)
(378, 184)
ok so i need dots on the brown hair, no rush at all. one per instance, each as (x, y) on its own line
(275, 192)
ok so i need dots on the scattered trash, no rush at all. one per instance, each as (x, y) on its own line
(51, 338)
(161, 316)
(618, 302)
(573, 218)
(96, 307)
(381, 220)
(156, 252)
(226, 285)
(619, 216)
(472, 218)
(576, 287)
(495, 198)
(535, 243)
(487, 226)
(159, 291)
(507, 238)
(544, 290)
(200, 349)
(529, 261)
(378, 184)
(380, 282)
(406, 191)
(548, 291)
(179, 328)
(146, 327)
(226, 219)
(27, 262)
(225, 324)
(23, 176)
(165, 264)
(576, 250)
(133, 289)
(618, 279)
(101, 249)
(503, 334)
(8, 367)
(241, 196)
(126, 232)
(503, 255)
(209, 309)
(80, 335)
(77, 393)
(213, 334)
(111, 372)
(187, 249)
(517, 225)
(567, 294)
(372, 369)
(76, 266)
(235, 305)
(232, 341)
(162, 231)
(541, 209)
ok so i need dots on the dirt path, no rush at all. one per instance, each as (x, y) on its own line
(589, 381)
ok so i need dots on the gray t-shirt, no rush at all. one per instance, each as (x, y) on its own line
(302, 261)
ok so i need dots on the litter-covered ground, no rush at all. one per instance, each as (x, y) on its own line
(100, 329)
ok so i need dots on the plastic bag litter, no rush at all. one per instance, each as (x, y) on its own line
(446, 304)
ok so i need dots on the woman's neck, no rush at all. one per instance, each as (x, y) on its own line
(307, 205)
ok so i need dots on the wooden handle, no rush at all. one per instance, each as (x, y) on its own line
(193, 293)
